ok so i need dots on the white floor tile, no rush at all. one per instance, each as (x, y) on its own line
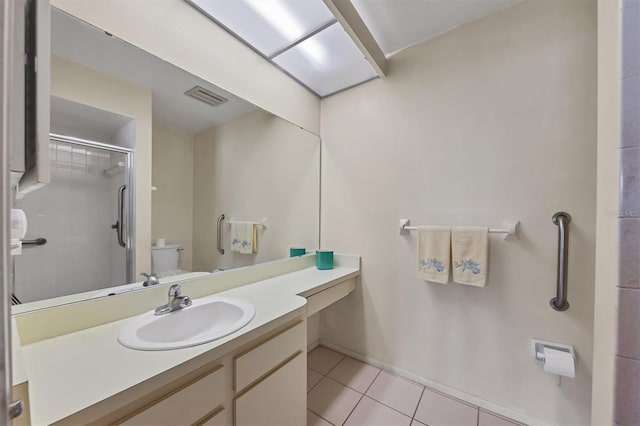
(314, 420)
(372, 413)
(323, 360)
(312, 378)
(436, 409)
(396, 392)
(334, 398)
(332, 401)
(355, 374)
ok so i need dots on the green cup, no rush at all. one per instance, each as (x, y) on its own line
(324, 259)
(297, 251)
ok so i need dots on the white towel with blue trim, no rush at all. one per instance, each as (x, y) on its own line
(470, 253)
(434, 253)
(243, 237)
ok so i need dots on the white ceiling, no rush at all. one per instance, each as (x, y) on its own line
(83, 43)
(397, 24)
(83, 121)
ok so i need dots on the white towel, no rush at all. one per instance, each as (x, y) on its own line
(434, 253)
(243, 237)
(18, 224)
(469, 252)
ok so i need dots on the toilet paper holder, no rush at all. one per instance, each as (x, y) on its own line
(538, 350)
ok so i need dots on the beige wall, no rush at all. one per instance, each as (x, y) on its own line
(205, 50)
(609, 73)
(253, 167)
(172, 201)
(75, 82)
(493, 120)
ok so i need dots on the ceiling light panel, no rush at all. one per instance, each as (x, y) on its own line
(269, 26)
(327, 62)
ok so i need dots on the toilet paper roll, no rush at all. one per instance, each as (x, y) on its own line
(18, 224)
(559, 362)
(160, 242)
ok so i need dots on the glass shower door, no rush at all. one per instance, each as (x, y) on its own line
(83, 215)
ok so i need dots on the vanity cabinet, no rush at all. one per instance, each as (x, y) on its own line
(261, 383)
(279, 399)
(270, 380)
(265, 356)
(194, 403)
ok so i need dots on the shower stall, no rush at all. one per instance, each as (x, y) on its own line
(86, 217)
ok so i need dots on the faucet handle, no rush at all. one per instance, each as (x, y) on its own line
(175, 290)
(151, 279)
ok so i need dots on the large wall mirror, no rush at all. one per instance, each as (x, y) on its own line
(145, 161)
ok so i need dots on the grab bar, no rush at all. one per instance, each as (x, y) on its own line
(34, 242)
(219, 234)
(119, 225)
(562, 219)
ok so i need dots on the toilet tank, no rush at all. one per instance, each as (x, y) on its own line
(164, 259)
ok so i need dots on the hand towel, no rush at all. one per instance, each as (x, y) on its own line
(243, 237)
(434, 253)
(469, 253)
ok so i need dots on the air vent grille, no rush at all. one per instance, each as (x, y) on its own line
(206, 96)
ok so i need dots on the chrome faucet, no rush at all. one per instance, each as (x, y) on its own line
(150, 279)
(176, 301)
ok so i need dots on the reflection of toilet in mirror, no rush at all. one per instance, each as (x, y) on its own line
(164, 260)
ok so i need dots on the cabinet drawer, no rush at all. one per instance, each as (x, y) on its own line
(218, 417)
(185, 405)
(279, 399)
(321, 300)
(253, 364)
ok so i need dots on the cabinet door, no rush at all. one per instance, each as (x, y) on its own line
(186, 405)
(278, 400)
(34, 163)
(257, 362)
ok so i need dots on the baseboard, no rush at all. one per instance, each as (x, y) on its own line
(439, 387)
(311, 346)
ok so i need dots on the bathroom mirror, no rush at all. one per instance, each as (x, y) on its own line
(146, 159)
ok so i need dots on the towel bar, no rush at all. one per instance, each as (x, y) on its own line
(509, 227)
(262, 223)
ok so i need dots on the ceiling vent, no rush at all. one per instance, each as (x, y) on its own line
(204, 95)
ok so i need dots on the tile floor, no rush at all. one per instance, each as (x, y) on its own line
(345, 391)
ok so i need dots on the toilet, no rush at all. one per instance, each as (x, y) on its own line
(164, 260)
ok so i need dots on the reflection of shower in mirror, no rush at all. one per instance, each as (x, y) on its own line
(116, 169)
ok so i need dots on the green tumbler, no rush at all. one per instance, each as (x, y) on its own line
(297, 251)
(324, 259)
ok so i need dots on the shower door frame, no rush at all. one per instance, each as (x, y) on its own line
(130, 181)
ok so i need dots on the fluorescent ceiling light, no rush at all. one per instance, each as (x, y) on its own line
(279, 14)
(302, 37)
(344, 67)
(269, 26)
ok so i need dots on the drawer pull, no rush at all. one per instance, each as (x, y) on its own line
(219, 409)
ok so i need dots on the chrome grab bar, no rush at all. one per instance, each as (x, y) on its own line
(562, 219)
(34, 242)
(119, 225)
(219, 234)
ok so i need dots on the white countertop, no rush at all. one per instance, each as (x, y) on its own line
(71, 372)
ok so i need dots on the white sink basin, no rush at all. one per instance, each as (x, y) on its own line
(207, 319)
